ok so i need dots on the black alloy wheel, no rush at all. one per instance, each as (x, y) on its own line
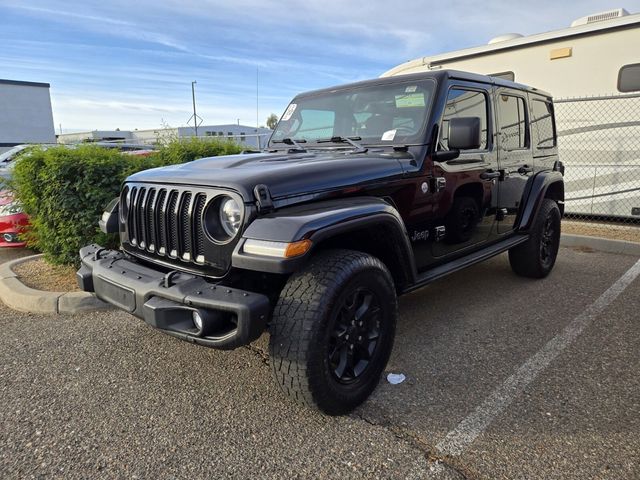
(354, 337)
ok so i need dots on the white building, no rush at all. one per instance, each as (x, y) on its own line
(25, 114)
(251, 137)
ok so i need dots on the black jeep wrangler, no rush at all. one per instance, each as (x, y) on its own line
(365, 192)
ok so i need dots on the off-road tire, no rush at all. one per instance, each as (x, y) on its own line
(310, 306)
(529, 259)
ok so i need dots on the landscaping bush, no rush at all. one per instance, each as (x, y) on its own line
(181, 151)
(64, 190)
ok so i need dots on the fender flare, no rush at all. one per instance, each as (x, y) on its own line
(535, 192)
(317, 222)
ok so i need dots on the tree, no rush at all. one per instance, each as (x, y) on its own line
(272, 121)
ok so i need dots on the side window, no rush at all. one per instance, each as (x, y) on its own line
(629, 78)
(542, 124)
(464, 103)
(512, 122)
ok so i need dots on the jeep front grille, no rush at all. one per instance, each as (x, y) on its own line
(168, 223)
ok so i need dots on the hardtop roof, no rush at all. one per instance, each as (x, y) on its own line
(438, 75)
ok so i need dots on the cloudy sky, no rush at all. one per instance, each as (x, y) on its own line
(129, 64)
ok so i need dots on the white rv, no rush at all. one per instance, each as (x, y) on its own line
(592, 69)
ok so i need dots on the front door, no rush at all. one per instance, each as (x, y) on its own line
(514, 155)
(466, 187)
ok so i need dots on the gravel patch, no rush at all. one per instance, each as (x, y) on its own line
(41, 275)
(628, 233)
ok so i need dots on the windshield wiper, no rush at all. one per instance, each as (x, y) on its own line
(350, 140)
(295, 143)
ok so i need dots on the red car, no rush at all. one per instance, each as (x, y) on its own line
(13, 221)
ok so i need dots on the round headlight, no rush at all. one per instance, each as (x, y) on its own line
(230, 216)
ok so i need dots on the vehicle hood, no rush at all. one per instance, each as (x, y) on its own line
(284, 174)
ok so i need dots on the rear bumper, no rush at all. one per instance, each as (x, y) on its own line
(231, 317)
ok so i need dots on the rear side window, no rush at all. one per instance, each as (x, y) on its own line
(513, 122)
(629, 78)
(542, 124)
(464, 103)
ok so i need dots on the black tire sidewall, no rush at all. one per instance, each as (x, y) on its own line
(331, 395)
(526, 258)
(554, 212)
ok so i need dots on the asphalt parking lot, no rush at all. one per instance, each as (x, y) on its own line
(506, 378)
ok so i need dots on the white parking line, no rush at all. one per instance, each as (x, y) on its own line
(473, 425)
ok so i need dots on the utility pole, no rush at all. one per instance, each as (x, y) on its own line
(257, 113)
(197, 121)
(195, 116)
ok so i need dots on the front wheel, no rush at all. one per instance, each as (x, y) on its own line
(536, 257)
(332, 331)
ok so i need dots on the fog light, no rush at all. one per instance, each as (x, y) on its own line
(197, 320)
(10, 237)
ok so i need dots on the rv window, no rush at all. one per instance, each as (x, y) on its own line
(464, 103)
(542, 124)
(512, 122)
(504, 75)
(629, 78)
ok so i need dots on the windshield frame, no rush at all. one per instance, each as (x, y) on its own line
(419, 138)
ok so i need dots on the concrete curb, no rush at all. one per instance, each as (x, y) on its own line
(18, 296)
(601, 244)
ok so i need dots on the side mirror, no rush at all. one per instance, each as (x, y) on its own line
(464, 133)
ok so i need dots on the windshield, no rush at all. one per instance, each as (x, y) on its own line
(377, 114)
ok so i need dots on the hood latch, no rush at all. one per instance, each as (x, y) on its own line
(263, 198)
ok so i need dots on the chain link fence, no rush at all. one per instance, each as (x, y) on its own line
(599, 143)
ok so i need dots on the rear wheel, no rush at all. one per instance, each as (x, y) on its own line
(536, 257)
(332, 331)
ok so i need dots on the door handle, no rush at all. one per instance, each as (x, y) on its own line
(525, 169)
(489, 175)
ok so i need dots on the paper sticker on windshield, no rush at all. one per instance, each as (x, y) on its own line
(388, 135)
(410, 89)
(410, 100)
(290, 109)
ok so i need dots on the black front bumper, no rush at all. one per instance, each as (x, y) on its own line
(231, 317)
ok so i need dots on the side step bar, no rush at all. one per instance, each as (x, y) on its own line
(443, 270)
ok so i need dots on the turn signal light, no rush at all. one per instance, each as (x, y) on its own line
(277, 249)
(296, 249)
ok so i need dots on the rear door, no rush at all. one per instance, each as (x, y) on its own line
(515, 158)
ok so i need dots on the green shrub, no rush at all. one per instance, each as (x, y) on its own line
(181, 151)
(64, 190)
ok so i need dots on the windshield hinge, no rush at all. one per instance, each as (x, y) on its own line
(263, 198)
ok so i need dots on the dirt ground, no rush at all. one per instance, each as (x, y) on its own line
(629, 233)
(41, 275)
